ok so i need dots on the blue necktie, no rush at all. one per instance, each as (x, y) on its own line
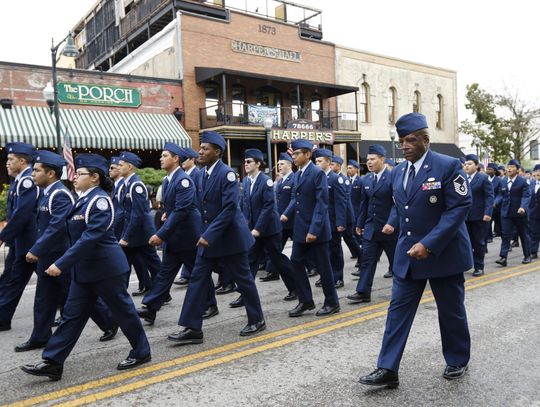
(165, 186)
(410, 180)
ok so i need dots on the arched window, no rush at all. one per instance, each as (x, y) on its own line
(439, 111)
(316, 107)
(212, 99)
(238, 94)
(392, 105)
(416, 102)
(363, 111)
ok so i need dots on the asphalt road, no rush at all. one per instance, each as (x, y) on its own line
(307, 361)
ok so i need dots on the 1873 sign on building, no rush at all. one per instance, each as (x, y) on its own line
(98, 95)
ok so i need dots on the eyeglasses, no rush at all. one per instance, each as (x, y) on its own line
(112, 167)
(78, 174)
(297, 152)
(249, 161)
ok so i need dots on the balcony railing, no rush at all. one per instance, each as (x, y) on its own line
(243, 114)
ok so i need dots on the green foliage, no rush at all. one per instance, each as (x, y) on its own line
(151, 176)
(3, 201)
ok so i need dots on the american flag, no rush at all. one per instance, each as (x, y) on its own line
(68, 156)
(289, 149)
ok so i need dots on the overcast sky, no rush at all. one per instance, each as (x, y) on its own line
(490, 42)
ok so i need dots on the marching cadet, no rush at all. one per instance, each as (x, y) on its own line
(179, 233)
(114, 174)
(20, 230)
(534, 212)
(337, 213)
(259, 208)
(495, 223)
(432, 199)
(480, 213)
(377, 222)
(225, 241)
(514, 198)
(138, 225)
(353, 172)
(99, 268)
(311, 231)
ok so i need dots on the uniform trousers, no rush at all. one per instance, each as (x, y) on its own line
(318, 253)
(534, 231)
(477, 234)
(286, 234)
(521, 225)
(336, 256)
(145, 261)
(349, 237)
(201, 284)
(80, 302)
(449, 293)
(371, 253)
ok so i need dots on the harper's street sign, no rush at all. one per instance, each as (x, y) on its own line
(302, 129)
(98, 95)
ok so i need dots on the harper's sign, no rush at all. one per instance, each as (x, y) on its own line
(265, 51)
(302, 129)
(98, 95)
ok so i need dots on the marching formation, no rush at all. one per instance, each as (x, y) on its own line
(431, 215)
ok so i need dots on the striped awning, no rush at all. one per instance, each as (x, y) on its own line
(91, 128)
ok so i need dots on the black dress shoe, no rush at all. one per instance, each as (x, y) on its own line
(388, 274)
(328, 310)
(186, 336)
(270, 277)
(357, 298)
(45, 368)
(318, 283)
(313, 272)
(514, 243)
(26, 346)
(140, 291)
(210, 312)
(501, 261)
(301, 308)
(239, 302)
(454, 372)
(109, 334)
(147, 314)
(526, 260)
(5, 327)
(130, 363)
(291, 296)
(339, 284)
(534, 256)
(181, 281)
(253, 329)
(225, 289)
(356, 273)
(478, 273)
(381, 377)
(168, 299)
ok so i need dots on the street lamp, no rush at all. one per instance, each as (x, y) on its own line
(268, 123)
(50, 93)
(476, 142)
(393, 133)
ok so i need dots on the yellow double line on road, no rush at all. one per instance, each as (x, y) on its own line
(224, 356)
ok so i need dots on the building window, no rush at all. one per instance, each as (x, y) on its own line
(238, 100)
(364, 103)
(392, 105)
(212, 100)
(439, 112)
(416, 102)
(533, 146)
(296, 106)
(316, 107)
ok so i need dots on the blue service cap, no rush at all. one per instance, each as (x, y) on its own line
(391, 162)
(514, 162)
(377, 149)
(536, 167)
(501, 167)
(191, 153)
(410, 123)
(337, 159)
(49, 159)
(493, 166)
(254, 153)
(285, 157)
(173, 148)
(131, 158)
(323, 152)
(298, 144)
(20, 148)
(115, 160)
(214, 138)
(472, 157)
(354, 163)
(92, 161)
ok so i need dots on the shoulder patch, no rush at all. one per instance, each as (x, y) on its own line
(185, 183)
(27, 183)
(347, 182)
(270, 183)
(340, 180)
(231, 176)
(460, 185)
(139, 189)
(102, 204)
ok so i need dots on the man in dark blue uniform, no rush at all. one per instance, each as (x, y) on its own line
(224, 242)
(356, 187)
(20, 232)
(377, 222)
(311, 231)
(432, 200)
(480, 213)
(118, 180)
(514, 197)
(337, 213)
(492, 173)
(138, 224)
(534, 212)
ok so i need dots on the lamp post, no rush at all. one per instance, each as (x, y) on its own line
(392, 133)
(268, 123)
(50, 93)
(476, 142)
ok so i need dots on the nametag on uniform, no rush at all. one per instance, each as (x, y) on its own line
(287, 187)
(44, 209)
(366, 187)
(78, 217)
(429, 186)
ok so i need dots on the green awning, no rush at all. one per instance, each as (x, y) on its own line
(92, 128)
